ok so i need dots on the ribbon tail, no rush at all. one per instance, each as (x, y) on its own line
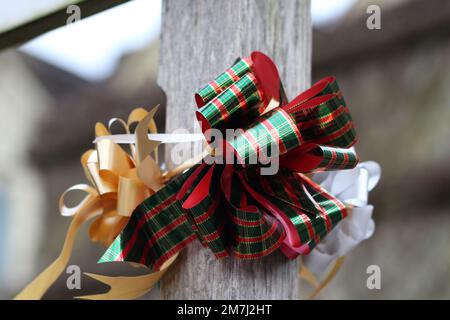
(37, 288)
(330, 276)
(128, 288)
(306, 274)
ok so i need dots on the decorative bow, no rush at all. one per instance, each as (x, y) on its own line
(119, 182)
(235, 207)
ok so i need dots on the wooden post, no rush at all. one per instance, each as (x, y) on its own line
(200, 39)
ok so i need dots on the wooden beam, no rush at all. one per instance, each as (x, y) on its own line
(32, 29)
(199, 40)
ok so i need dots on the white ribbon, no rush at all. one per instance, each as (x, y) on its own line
(161, 137)
(352, 188)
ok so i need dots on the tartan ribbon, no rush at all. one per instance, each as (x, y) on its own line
(234, 208)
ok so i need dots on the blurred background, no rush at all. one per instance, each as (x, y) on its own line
(54, 88)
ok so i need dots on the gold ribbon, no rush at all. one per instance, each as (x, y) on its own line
(306, 274)
(125, 288)
(119, 181)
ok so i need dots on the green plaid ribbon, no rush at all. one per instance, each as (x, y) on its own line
(233, 208)
(239, 103)
(223, 81)
(158, 228)
(274, 133)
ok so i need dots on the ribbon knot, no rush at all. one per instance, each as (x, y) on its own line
(234, 208)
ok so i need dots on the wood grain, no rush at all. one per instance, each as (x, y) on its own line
(199, 40)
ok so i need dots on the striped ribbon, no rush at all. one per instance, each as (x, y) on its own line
(233, 208)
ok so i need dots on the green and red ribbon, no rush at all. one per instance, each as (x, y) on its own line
(234, 208)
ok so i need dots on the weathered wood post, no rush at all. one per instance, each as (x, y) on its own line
(199, 40)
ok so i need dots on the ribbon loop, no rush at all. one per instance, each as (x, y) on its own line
(201, 203)
(223, 81)
(70, 211)
(240, 94)
(272, 136)
(242, 100)
(322, 115)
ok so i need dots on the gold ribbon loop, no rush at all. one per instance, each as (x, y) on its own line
(131, 193)
(66, 211)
